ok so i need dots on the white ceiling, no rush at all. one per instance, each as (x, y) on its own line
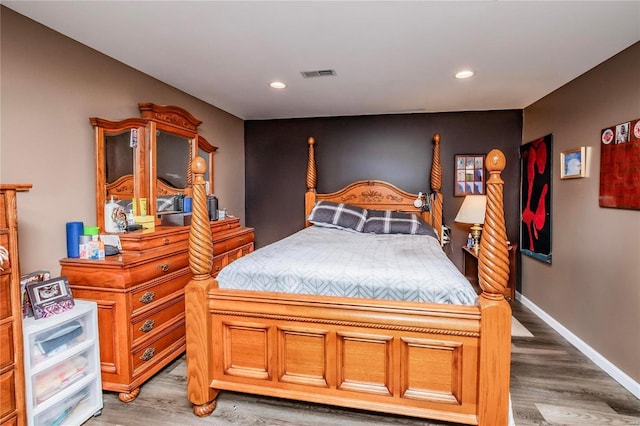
(389, 56)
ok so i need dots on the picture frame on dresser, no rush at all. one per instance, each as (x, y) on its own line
(50, 297)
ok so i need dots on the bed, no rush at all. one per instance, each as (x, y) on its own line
(440, 361)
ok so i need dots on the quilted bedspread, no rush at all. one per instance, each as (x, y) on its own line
(334, 262)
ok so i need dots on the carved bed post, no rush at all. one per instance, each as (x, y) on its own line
(436, 186)
(312, 178)
(198, 320)
(493, 274)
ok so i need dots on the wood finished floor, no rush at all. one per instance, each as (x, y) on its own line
(552, 383)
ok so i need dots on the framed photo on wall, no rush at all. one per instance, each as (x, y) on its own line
(469, 175)
(573, 163)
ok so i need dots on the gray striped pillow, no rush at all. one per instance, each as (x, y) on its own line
(338, 215)
(392, 222)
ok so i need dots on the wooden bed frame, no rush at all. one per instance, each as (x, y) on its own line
(444, 362)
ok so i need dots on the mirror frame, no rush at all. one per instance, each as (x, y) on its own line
(126, 187)
(174, 120)
(143, 182)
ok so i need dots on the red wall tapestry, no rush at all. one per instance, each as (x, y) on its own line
(620, 166)
(535, 194)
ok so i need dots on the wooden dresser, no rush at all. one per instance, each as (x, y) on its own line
(140, 296)
(12, 403)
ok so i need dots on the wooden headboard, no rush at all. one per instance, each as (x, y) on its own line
(380, 195)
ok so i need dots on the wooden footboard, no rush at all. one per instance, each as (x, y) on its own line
(412, 359)
(434, 361)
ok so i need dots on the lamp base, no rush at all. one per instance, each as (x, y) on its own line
(476, 232)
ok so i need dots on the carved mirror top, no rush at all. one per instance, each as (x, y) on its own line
(170, 115)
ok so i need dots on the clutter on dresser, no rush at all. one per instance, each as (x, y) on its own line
(49, 297)
(115, 217)
(74, 230)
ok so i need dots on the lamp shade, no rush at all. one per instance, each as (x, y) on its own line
(472, 209)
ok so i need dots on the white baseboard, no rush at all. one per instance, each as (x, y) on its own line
(609, 368)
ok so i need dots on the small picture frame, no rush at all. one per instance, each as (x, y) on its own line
(573, 163)
(469, 175)
(50, 297)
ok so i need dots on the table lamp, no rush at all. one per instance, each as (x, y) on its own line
(472, 211)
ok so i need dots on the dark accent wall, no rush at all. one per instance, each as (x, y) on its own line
(394, 148)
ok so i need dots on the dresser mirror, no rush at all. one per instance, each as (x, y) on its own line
(118, 157)
(172, 168)
(148, 158)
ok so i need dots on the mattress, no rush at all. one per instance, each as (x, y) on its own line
(334, 262)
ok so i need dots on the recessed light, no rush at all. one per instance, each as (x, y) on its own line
(464, 74)
(277, 85)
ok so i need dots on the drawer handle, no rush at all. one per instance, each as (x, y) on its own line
(147, 326)
(241, 240)
(217, 268)
(148, 354)
(164, 267)
(228, 226)
(165, 240)
(148, 297)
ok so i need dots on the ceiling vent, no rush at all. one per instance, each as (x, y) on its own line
(318, 73)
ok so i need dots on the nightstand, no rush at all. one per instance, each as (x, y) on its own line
(470, 270)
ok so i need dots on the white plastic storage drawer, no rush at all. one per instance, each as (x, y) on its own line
(60, 376)
(62, 366)
(71, 410)
(58, 338)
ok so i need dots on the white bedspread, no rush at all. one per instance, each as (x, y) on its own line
(333, 262)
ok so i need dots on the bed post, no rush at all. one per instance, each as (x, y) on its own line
(493, 274)
(436, 186)
(198, 321)
(310, 195)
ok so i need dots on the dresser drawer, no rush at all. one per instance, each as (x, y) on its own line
(164, 236)
(223, 260)
(239, 252)
(167, 235)
(5, 295)
(218, 263)
(224, 225)
(149, 353)
(4, 242)
(3, 212)
(155, 320)
(152, 293)
(159, 267)
(7, 393)
(229, 241)
(6, 343)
